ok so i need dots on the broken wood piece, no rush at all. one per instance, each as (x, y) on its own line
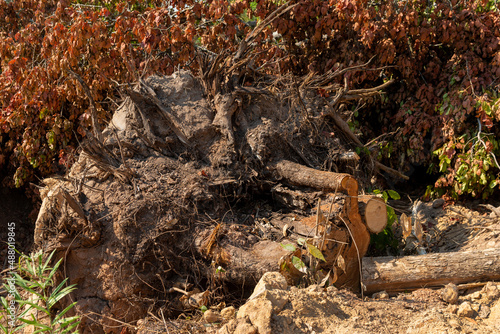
(432, 270)
(360, 237)
(373, 212)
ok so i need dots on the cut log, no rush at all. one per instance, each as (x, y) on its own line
(300, 175)
(431, 270)
(373, 212)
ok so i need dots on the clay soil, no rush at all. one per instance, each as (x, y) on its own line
(160, 218)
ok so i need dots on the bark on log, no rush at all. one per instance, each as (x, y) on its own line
(327, 181)
(431, 270)
(373, 212)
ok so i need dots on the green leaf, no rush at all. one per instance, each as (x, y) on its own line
(36, 324)
(299, 265)
(385, 196)
(288, 247)
(483, 179)
(391, 216)
(62, 313)
(203, 308)
(34, 305)
(315, 252)
(71, 327)
(393, 194)
(58, 295)
(301, 241)
(53, 271)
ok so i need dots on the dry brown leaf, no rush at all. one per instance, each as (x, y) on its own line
(406, 225)
(194, 300)
(323, 278)
(418, 231)
(334, 277)
(341, 262)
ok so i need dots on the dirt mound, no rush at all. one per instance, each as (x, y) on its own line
(332, 311)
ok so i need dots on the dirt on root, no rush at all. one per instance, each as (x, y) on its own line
(137, 221)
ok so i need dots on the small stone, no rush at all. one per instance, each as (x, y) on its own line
(331, 290)
(475, 307)
(314, 288)
(450, 293)
(228, 328)
(484, 311)
(465, 310)
(491, 291)
(380, 295)
(211, 316)
(476, 295)
(245, 328)
(453, 308)
(228, 312)
(278, 298)
(454, 324)
(259, 312)
(438, 203)
(269, 281)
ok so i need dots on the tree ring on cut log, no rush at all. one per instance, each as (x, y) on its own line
(374, 213)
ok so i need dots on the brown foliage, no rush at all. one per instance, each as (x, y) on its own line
(444, 54)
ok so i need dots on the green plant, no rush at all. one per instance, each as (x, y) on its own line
(37, 297)
(297, 261)
(469, 166)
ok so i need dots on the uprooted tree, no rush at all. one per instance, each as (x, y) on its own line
(174, 206)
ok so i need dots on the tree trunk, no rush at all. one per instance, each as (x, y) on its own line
(431, 270)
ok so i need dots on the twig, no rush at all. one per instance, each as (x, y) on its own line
(484, 145)
(243, 47)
